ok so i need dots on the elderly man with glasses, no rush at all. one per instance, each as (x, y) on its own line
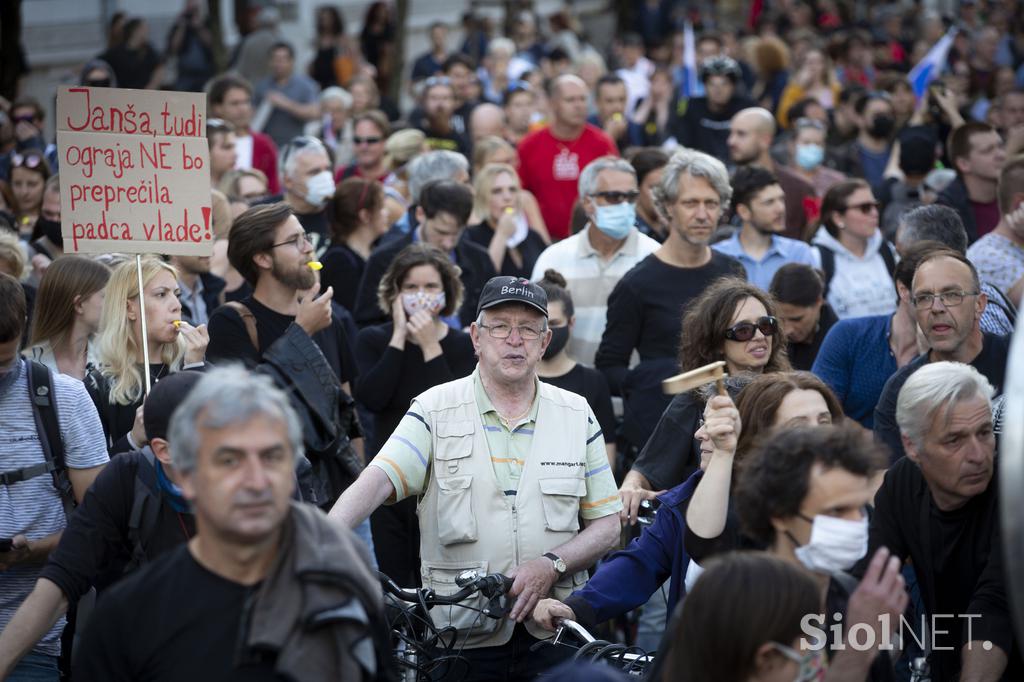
(949, 303)
(504, 465)
(594, 259)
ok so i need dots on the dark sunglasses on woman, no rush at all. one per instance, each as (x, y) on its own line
(744, 331)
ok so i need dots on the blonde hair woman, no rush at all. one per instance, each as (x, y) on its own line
(116, 384)
(504, 227)
(492, 149)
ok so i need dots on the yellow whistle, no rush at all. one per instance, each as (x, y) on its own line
(177, 324)
(616, 117)
(315, 265)
(509, 210)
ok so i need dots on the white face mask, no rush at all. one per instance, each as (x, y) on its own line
(320, 188)
(836, 544)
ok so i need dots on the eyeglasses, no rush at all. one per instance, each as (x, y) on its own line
(294, 241)
(436, 80)
(503, 331)
(366, 140)
(617, 197)
(744, 331)
(26, 160)
(866, 208)
(950, 299)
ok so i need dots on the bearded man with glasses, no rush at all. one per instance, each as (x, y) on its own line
(503, 465)
(948, 304)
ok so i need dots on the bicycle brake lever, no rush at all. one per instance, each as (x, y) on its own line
(495, 608)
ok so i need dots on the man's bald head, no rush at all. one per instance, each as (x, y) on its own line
(750, 135)
(566, 80)
(568, 100)
(487, 120)
(757, 118)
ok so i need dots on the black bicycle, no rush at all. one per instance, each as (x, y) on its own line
(631, 659)
(420, 647)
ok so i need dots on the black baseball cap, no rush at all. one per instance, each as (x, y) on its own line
(506, 289)
(164, 398)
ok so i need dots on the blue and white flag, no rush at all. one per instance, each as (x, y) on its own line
(692, 85)
(932, 65)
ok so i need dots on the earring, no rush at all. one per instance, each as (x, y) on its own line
(841, 226)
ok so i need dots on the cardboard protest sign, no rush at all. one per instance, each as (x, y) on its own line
(134, 171)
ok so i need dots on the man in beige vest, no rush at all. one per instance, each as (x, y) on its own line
(503, 467)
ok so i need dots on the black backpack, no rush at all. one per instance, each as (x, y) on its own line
(828, 262)
(44, 412)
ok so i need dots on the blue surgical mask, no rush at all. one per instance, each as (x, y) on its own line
(809, 156)
(616, 220)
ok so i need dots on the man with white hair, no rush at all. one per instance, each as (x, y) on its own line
(551, 158)
(938, 507)
(751, 132)
(423, 169)
(308, 185)
(255, 592)
(595, 259)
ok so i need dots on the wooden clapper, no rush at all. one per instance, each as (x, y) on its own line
(687, 381)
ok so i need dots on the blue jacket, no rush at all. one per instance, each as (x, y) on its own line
(628, 578)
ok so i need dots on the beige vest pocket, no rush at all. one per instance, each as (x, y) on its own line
(455, 520)
(561, 500)
(440, 577)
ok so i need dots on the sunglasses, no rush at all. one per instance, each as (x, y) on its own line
(366, 140)
(26, 160)
(617, 197)
(866, 208)
(744, 331)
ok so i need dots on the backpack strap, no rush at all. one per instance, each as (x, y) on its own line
(44, 411)
(828, 266)
(248, 319)
(886, 251)
(144, 516)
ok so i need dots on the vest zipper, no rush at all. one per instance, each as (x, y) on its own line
(515, 536)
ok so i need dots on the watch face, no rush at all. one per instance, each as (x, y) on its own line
(560, 566)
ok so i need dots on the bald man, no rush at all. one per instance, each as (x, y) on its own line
(487, 120)
(751, 132)
(550, 159)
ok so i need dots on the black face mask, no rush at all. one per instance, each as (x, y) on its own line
(559, 337)
(882, 126)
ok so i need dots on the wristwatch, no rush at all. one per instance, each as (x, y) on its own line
(560, 566)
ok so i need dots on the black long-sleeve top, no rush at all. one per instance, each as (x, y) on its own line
(343, 268)
(390, 378)
(96, 545)
(645, 311)
(957, 557)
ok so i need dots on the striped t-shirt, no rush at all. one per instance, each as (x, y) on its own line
(405, 457)
(33, 508)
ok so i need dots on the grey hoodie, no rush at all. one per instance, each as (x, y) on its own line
(861, 285)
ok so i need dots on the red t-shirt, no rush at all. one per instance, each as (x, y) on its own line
(550, 168)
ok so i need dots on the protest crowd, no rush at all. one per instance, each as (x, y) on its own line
(694, 340)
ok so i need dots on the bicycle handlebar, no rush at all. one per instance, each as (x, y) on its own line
(491, 585)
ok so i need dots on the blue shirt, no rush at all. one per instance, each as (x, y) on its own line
(628, 578)
(782, 250)
(855, 361)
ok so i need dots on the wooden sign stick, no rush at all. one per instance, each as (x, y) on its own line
(687, 381)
